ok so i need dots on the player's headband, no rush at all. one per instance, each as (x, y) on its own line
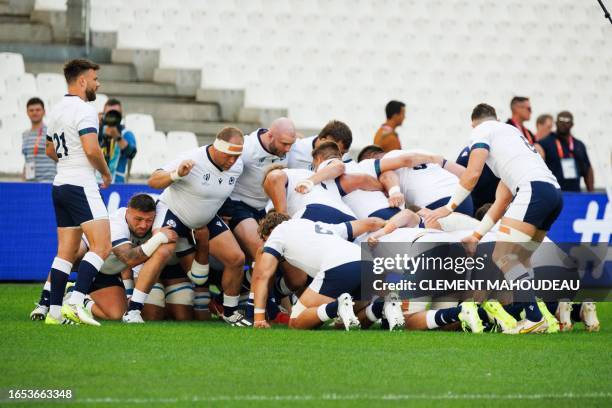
(227, 147)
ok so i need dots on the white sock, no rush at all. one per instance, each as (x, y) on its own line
(76, 298)
(89, 305)
(370, 314)
(47, 286)
(230, 301)
(138, 296)
(322, 313)
(56, 312)
(430, 317)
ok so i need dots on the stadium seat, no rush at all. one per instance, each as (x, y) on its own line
(151, 153)
(140, 123)
(11, 64)
(11, 162)
(178, 142)
(14, 122)
(54, 5)
(51, 84)
(8, 104)
(21, 84)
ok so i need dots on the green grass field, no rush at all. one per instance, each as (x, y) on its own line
(211, 364)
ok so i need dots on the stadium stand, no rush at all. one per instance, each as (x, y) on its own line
(176, 62)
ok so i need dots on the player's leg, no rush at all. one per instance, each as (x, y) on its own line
(42, 306)
(108, 299)
(155, 304)
(246, 234)
(97, 232)
(179, 298)
(225, 248)
(199, 268)
(148, 275)
(69, 239)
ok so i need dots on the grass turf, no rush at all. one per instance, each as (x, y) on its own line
(211, 364)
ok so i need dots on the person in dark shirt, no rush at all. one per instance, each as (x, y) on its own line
(566, 156)
(484, 192)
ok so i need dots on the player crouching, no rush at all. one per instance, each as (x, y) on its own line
(322, 251)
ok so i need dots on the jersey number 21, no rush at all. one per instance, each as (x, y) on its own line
(60, 141)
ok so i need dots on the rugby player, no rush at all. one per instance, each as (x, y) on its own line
(246, 204)
(300, 155)
(323, 252)
(195, 187)
(316, 196)
(72, 141)
(427, 185)
(536, 204)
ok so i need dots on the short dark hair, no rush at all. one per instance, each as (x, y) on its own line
(393, 108)
(75, 67)
(339, 132)
(326, 149)
(142, 202)
(112, 102)
(482, 110)
(368, 151)
(518, 99)
(543, 118)
(35, 101)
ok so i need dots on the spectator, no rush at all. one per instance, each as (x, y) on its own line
(386, 137)
(566, 156)
(118, 144)
(521, 112)
(38, 167)
(544, 125)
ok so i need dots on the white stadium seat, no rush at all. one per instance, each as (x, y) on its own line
(51, 84)
(151, 154)
(11, 64)
(14, 122)
(140, 123)
(11, 162)
(22, 84)
(8, 104)
(178, 142)
(53, 5)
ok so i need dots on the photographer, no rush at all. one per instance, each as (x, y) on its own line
(118, 144)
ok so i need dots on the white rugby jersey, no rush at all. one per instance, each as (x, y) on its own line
(424, 184)
(312, 246)
(363, 203)
(295, 200)
(196, 198)
(256, 160)
(329, 193)
(511, 157)
(70, 119)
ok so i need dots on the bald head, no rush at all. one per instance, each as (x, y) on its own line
(281, 136)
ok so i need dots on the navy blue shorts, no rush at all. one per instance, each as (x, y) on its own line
(172, 272)
(466, 207)
(237, 211)
(103, 280)
(75, 205)
(166, 218)
(325, 213)
(537, 203)
(345, 278)
(385, 213)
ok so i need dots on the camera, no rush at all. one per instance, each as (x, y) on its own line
(112, 118)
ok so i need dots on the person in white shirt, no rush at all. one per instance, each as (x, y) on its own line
(246, 205)
(195, 187)
(321, 251)
(72, 141)
(532, 192)
(300, 155)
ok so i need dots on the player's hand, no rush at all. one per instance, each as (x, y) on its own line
(185, 167)
(304, 186)
(373, 239)
(376, 223)
(469, 244)
(169, 233)
(106, 180)
(396, 200)
(261, 324)
(435, 215)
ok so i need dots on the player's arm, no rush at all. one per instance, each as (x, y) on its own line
(275, 187)
(50, 149)
(92, 150)
(589, 179)
(453, 168)
(161, 178)
(265, 267)
(404, 218)
(370, 224)
(408, 160)
(132, 256)
(390, 181)
(335, 168)
(351, 182)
